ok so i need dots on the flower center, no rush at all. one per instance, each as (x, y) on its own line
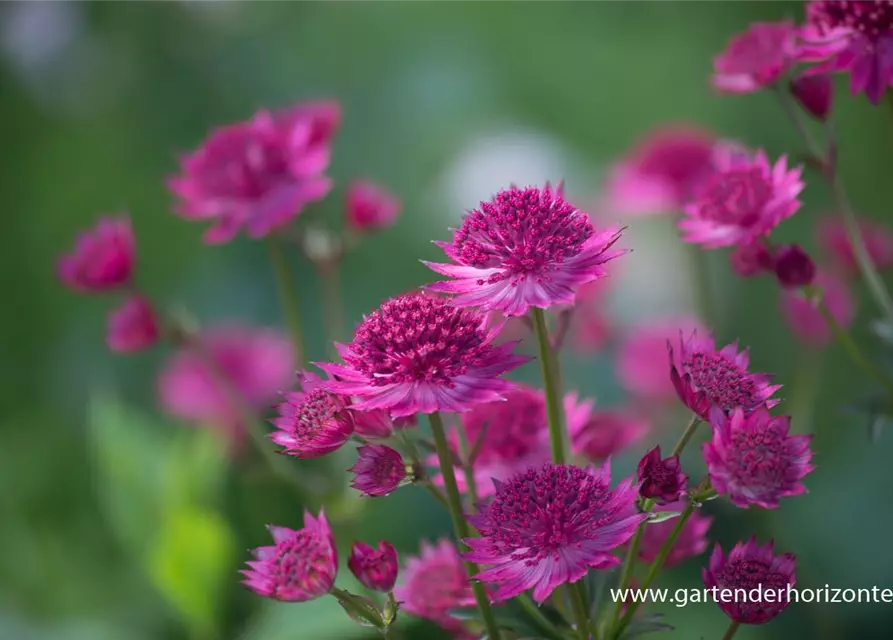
(758, 460)
(871, 19)
(724, 383)
(750, 574)
(523, 232)
(300, 561)
(318, 408)
(736, 197)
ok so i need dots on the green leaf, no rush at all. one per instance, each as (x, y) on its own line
(360, 609)
(645, 625)
(662, 516)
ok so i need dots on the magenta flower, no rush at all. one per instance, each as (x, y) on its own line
(419, 354)
(312, 422)
(258, 175)
(660, 172)
(815, 93)
(256, 362)
(705, 377)
(524, 248)
(752, 259)
(851, 36)
(606, 432)
(300, 566)
(547, 527)
(590, 325)
(642, 360)
(132, 326)
(692, 540)
(103, 258)
(756, 58)
(754, 459)
(753, 569)
(743, 199)
(805, 319)
(370, 206)
(376, 569)
(662, 480)
(793, 266)
(878, 239)
(378, 471)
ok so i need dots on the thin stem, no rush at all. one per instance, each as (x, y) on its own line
(794, 115)
(703, 290)
(550, 382)
(578, 604)
(686, 435)
(464, 453)
(543, 624)
(331, 284)
(460, 526)
(288, 296)
(732, 630)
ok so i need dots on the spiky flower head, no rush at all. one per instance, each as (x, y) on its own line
(662, 479)
(691, 542)
(546, 527)
(376, 569)
(524, 248)
(103, 257)
(754, 459)
(299, 566)
(419, 354)
(750, 568)
(756, 58)
(378, 471)
(132, 326)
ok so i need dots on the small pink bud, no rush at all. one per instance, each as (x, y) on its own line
(815, 93)
(662, 480)
(103, 257)
(751, 260)
(370, 206)
(376, 570)
(378, 471)
(132, 326)
(793, 267)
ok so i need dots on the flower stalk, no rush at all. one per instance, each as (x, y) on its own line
(732, 630)
(550, 383)
(288, 297)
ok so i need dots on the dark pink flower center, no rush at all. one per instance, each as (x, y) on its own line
(522, 232)
(418, 338)
(756, 457)
(318, 408)
(749, 574)
(244, 165)
(302, 560)
(722, 381)
(513, 428)
(872, 19)
(735, 197)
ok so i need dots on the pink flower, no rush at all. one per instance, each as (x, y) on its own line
(374, 425)
(815, 93)
(312, 422)
(743, 199)
(793, 266)
(756, 58)
(606, 433)
(257, 363)
(805, 319)
(753, 569)
(419, 354)
(591, 326)
(643, 362)
(370, 206)
(752, 259)
(132, 326)
(375, 569)
(692, 540)
(660, 172)
(300, 566)
(103, 257)
(851, 36)
(258, 175)
(547, 527)
(705, 377)
(661, 480)
(877, 238)
(525, 248)
(754, 459)
(378, 471)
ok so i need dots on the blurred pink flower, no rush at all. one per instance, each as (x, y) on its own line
(590, 325)
(804, 317)
(103, 257)
(692, 540)
(370, 206)
(132, 326)
(756, 58)
(606, 433)
(752, 259)
(878, 239)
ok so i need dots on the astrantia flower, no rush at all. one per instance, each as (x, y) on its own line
(376, 569)
(802, 313)
(258, 363)
(132, 326)
(370, 206)
(660, 172)
(102, 259)
(744, 198)
(815, 93)
(606, 432)
(752, 259)
(756, 58)
(662, 479)
(692, 540)
(312, 422)
(751, 567)
(258, 175)
(843, 35)
(419, 354)
(704, 377)
(300, 566)
(590, 325)
(524, 248)
(378, 471)
(754, 459)
(546, 527)
(878, 239)
(793, 266)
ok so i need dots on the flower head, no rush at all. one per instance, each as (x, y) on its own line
(376, 569)
(793, 266)
(662, 479)
(743, 199)
(546, 527)
(833, 239)
(704, 377)
(103, 258)
(754, 569)
(756, 58)
(754, 459)
(312, 422)
(419, 354)
(378, 471)
(370, 206)
(299, 566)
(606, 432)
(804, 317)
(692, 540)
(258, 175)
(132, 326)
(752, 259)
(524, 248)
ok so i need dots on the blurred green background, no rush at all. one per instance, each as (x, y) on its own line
(116, 523)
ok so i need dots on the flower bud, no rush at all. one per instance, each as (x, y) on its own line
(815, 93)
(662, 480)
(378, 471)
(375, 570)
(132, 326)
(793, 267)
(370, 206)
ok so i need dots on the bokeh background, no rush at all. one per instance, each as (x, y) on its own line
(118, 523)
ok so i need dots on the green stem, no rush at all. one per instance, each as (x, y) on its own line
(460, 526)
(578, 605)
(703, 291)
(288, 296)
(732, 630)
(464, 454)
(686, 436)
(331, 283)
(543, 624)
(550, 382)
